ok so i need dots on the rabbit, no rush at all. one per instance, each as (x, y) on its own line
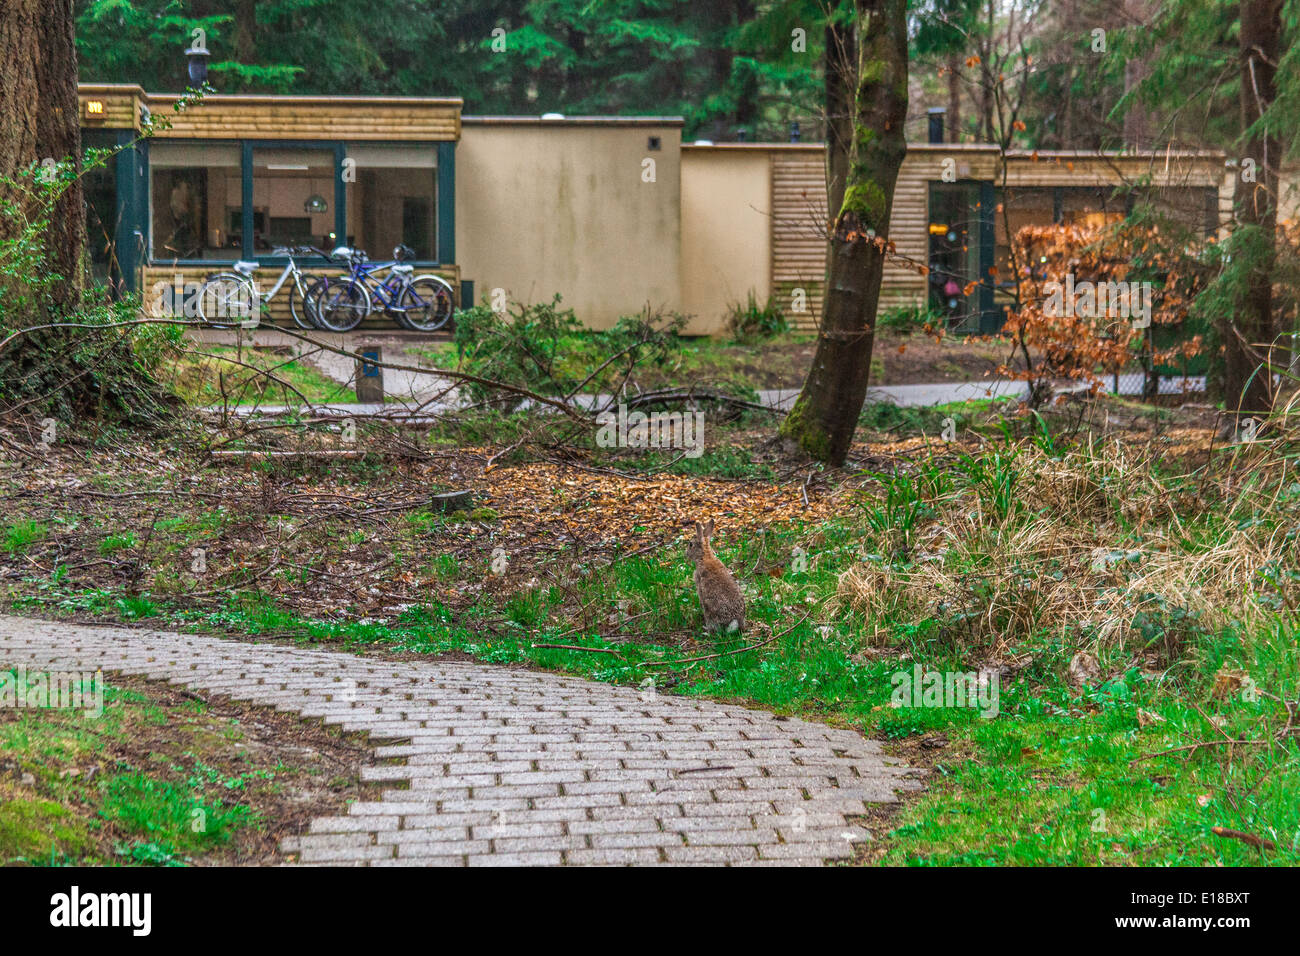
(720, 597)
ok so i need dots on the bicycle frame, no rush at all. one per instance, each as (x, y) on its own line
(260, 301)
(379, 290)
(291, 268)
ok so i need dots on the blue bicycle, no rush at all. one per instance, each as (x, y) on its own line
(340, 303)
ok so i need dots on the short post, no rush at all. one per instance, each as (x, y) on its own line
(370, 377)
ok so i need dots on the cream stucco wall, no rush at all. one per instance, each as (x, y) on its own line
(546, 206)
(726, 233)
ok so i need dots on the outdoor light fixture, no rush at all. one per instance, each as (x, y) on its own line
(794, 132)
(315, 203)
(197, 58)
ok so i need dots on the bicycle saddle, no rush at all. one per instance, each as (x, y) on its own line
(404, 269)
(245, 267)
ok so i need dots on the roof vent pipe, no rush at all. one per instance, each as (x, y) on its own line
(936, 114)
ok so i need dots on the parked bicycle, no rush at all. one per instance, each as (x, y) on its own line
(229, 299)
(420, 303)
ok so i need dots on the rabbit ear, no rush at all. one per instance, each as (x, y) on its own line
(708, 529)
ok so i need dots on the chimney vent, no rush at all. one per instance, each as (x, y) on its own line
(936, 115)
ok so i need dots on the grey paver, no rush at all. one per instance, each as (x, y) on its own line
(509, 767)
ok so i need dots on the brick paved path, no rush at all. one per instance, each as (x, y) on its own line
(494, 765)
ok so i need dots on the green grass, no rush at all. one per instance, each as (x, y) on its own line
(169, 815)
(21, 535)
(54, 811)
(736, 368)
(117, 542)
(199, 380)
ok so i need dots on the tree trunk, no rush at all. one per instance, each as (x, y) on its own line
(1139, 125)
(245, 38)
(65, 371)
(826, 413)
(1249, 336)
(39, 120)
(840, 82)
(954, 98)
(987, 77)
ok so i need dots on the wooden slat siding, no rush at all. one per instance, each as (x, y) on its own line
(311, 118)
(279, 306)
(799, 254)
(1056, 169)
(121, 109)
(799, 232)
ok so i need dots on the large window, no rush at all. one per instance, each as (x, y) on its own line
(1017, 207)
(194, 198)
(370, 196)
(293, 198)
(392, 199)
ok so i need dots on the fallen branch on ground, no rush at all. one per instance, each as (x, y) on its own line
(739, 650)
(1259, 843)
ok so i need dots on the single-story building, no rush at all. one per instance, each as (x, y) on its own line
(613, 213)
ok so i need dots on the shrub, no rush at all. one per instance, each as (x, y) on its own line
(753, 322)
(1074, 342)
(545, 349)
(909, 319)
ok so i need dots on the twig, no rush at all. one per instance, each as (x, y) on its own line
(1259, 843)
(575, 647)
(1197, 746)
(739, 650)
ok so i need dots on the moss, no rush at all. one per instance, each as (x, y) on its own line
(865, 200)
(459, 517)
(871, 73)
(800, 428)
(33, 830)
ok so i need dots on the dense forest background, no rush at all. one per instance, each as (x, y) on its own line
(1042, 74)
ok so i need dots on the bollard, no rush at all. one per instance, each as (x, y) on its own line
(370, 377)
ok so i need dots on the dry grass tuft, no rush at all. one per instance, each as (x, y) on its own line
(1096, 548)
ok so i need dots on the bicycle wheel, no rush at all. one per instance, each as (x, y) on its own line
(227, 300)
(424, 305)
(338, 304)
(298, 310)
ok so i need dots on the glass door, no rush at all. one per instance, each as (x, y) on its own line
(954, 253)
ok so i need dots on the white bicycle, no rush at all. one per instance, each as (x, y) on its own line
(230, 299)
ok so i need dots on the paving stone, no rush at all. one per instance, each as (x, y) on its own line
(521, 768)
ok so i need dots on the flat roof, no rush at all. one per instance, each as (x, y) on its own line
(467, 120)
(944, 147)
(288, 99)
(219, 99)
(1040, 155)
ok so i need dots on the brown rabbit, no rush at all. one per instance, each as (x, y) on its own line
(720, 597)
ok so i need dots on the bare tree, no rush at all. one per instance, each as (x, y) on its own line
(1248, 338)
